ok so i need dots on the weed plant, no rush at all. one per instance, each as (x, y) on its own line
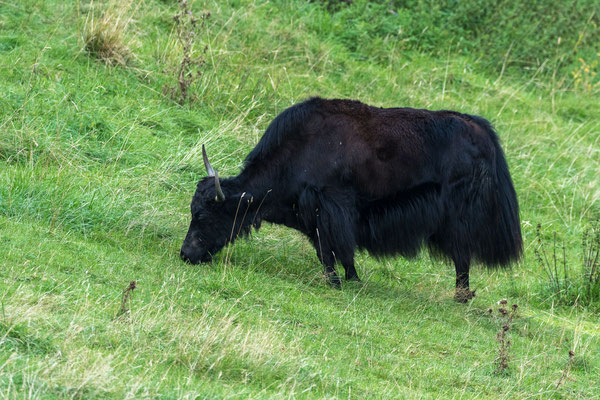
(569, 282)
(505, 322)
(187, 28)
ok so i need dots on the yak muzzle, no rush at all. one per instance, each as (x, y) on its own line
(194, 256)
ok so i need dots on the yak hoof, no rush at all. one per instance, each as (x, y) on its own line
(334, 281)
(463, 295)
(353, 278)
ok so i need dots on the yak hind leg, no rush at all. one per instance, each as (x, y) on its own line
(462, 293)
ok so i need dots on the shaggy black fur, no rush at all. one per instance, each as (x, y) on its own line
(351, 176)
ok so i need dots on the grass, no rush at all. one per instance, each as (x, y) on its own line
(98, 166)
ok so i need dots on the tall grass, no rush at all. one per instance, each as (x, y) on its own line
(106, 33)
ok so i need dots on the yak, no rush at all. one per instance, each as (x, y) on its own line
(387, 180)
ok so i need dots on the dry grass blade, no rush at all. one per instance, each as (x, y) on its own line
(567, 369)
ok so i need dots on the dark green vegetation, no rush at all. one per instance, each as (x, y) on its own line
(98, 166)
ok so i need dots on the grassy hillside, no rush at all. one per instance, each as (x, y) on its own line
(98, 163)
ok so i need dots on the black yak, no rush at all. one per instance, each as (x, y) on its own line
(387, 180)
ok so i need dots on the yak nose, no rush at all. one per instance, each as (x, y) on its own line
(193, 255)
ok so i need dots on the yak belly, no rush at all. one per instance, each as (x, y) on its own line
(401, 223)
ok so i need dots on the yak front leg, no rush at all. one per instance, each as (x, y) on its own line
(327, 258)
(328, 216)
(463, 293)
(347, 261)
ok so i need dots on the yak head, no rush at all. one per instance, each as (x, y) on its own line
(219, 213)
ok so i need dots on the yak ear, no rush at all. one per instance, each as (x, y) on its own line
(249, 198)
(244, 199)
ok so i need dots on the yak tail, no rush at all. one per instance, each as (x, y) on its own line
(498, 240)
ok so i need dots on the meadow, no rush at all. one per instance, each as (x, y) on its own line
(100, 154)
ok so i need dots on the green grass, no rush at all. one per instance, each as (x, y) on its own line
(98, 166)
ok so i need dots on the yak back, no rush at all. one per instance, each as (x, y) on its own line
(375, 151)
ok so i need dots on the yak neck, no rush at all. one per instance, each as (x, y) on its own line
(260, 184)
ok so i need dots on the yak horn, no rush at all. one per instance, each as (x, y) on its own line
(220, 195)
(209, 168)
(212, 172)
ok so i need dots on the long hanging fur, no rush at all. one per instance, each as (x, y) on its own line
(497, 239)
(401, 223)
(481, 214)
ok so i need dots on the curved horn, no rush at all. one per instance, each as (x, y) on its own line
(220, 195)
(209, 168)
